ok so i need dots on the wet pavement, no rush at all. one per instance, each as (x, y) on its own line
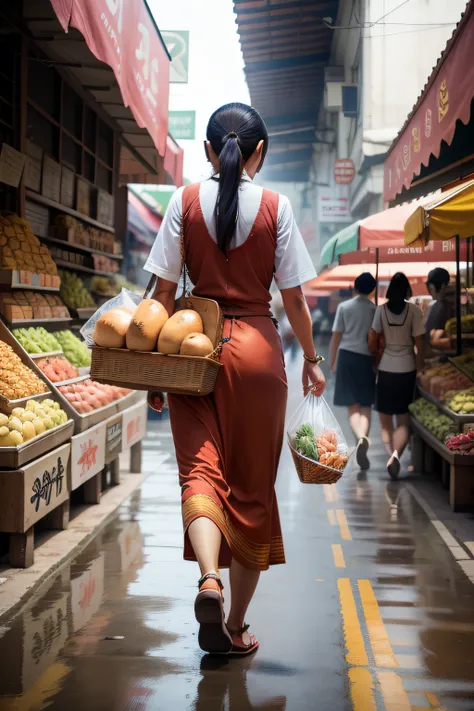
(372, 611)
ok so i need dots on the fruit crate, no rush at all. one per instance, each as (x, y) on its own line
(459, 419)
(7, 405)
(15, 457)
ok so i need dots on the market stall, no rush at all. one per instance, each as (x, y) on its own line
(78, 126)
(431, 161)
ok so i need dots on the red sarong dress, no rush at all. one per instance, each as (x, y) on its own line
(228, 443)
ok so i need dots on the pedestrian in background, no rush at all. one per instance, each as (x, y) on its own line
(400, 324)
(354, 365)
(442, 310)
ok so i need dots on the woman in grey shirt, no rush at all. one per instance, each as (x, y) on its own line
(354, 366)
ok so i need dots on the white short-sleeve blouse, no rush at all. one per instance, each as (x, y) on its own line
(293, 265)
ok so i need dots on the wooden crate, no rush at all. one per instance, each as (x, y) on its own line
(16, 457)
(29, 494)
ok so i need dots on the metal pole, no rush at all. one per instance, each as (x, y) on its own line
(377, 276)
(458, 298)
(468, 259)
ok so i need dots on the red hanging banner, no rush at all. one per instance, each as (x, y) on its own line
(344, 171)
(123, 34)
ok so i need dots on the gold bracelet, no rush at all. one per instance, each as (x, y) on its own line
(317, 359)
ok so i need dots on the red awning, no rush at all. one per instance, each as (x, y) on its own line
(445, 99)
(174, 161)
(123, 34)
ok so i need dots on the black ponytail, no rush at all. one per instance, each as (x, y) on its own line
(227, 207)
(234, 132)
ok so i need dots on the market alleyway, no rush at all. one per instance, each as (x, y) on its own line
(371, 612)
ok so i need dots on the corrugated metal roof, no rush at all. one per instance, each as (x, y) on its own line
(286, 45)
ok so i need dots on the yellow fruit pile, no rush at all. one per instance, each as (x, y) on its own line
(16, 380)
(24, 423)
(21, 249)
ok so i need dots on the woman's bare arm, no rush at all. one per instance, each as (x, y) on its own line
(163, 291)
(440, 341)
(336, 339)
(420, 352)
(300, 320)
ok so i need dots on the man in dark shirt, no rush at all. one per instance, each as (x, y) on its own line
(442, 310)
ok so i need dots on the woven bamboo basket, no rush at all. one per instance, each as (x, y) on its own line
(175, 374)
(137, 370)
(310, 472)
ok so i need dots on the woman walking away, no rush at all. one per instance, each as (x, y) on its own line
(400, 324)
(236, 238)
(355, 375)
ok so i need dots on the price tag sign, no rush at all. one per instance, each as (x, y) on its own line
(12, 163)
(87, 455)
(134, 424)
(113, 438)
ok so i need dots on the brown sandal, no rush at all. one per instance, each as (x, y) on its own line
(243, 642)
(209, 610)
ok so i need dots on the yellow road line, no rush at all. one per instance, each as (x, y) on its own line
(361, 689)
(356, 654)
(394, 695)
(381, 647)
(332, 517)
(339, 561)
(342, 521)
(330, 492)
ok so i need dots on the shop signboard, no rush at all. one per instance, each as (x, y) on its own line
(334, 209)
(12, 163)
(177, 42)
(123, 34)
(134, 424)
(86, 593)
(344, 171)
(87, 455)
(182, 125)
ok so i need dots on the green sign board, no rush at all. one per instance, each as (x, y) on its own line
(182, 125)
(177, 42)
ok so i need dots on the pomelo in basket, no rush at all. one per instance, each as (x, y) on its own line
(196, 344)
(111, 327)
(147, 322)
(175, 330)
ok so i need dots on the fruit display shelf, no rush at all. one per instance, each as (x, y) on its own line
(468, 371)
(45, 355)
(26, 323)
(80, 248)
(460, 420)
(85, 313)
(14, 457)
(7, 405)
(79, 268)
(13, 279)
(36, 197)
(465, 460)
(85, 422)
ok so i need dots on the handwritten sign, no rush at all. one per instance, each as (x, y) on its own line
(51, 185)
(12, 163)
(87, 455)
(134, 424)
(113, 438)
(87, 591)
(33, 491)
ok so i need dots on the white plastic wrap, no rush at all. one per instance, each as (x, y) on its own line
(126, 299)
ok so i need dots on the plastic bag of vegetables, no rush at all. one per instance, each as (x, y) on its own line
(318, 446)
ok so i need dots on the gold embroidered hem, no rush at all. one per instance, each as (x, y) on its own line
(258, 556)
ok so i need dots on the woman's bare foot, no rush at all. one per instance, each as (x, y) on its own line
(393, 465)
(243, 642)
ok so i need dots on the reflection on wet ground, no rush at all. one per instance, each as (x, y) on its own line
(371, 612)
